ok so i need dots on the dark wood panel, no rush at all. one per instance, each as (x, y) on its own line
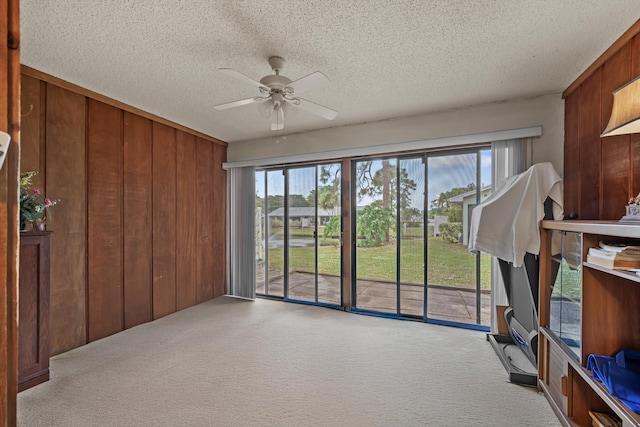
(29, 290)
(31, 156)
(615, 149)
(635, 138)
(33, 347)
(219, 225)
(137, 204)
(164, 220)
(572, 154)
(204, 221)
(186, 199)
(67, 181)
(590, 154)
(105, 269)
(612, 303)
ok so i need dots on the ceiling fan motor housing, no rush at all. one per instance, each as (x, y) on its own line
(275, 82)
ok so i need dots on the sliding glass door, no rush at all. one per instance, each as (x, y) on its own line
(270, 233)
(301, 223)
(459, 281)
(376, 271)
(411, 231)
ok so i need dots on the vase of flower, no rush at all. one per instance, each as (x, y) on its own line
(34, 206)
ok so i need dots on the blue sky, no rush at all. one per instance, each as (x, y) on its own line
(445, 172)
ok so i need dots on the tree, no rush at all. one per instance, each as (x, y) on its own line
(373, 223)
(380, 184)
(442, 206)
(327, 198)
(297, 201)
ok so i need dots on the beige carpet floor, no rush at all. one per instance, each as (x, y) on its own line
(230, 362)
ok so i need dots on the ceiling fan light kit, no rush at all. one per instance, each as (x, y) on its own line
(279, 93)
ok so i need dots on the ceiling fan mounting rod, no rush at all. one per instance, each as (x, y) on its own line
(277, 64)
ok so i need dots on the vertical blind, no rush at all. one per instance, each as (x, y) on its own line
(508, 158)
(241, 233)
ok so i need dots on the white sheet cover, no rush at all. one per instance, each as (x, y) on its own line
(506, 224)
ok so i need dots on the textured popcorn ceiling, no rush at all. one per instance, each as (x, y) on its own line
(385, 59)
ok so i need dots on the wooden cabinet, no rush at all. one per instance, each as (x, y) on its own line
(33, 326)
(610, 322)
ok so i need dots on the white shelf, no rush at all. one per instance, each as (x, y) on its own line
(629, 275)
(609, 228)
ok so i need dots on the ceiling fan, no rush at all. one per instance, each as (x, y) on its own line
(279, 93)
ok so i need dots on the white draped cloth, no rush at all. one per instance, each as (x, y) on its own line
(506, 224)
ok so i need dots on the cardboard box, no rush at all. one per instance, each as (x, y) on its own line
(502, 324)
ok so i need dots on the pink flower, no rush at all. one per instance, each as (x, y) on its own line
(36, 190)
(47, 202)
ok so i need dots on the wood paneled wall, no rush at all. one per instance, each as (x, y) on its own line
(601, 174)
(139, 231)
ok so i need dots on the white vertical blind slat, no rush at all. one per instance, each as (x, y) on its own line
(242, 203)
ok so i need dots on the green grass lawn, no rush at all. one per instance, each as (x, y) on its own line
(449, 263)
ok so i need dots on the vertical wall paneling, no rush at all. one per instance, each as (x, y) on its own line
(219, 184)
(137, 211)
(615, 149)
(186, 200)
(635, 138)
(590, 146)
(66, 181)
(164, 220)
(31, 156)
(608, 170)
(136, 234)
(104, 215)
(205, 220)
(572, 154)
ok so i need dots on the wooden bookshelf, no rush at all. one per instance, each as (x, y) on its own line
(610, 322)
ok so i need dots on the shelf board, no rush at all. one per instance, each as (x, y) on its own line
(623, 411)
(629, 275)
(609, 228)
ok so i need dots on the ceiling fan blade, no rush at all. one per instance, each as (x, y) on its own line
(312, 81)
(277, 118)
(239, 76)
(314, 108)
(237, 103)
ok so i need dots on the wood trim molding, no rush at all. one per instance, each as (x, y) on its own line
(615, 47)
(109, 101)
(9, 234)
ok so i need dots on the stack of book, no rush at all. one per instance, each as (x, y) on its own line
(615, 255)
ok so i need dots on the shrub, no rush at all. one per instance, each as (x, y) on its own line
(333, 227)
(451, 232)
(373, 226)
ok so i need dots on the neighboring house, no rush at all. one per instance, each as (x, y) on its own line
(436, 221)
(305, 215)
(468, 201)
